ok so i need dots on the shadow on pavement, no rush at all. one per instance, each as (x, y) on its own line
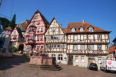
(6, 63)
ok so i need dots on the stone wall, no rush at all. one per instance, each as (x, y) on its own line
(39, 60)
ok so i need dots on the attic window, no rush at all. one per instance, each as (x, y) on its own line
(54, 23)
(81, 29)
(90, 29)
(33, 23)
(73, 29)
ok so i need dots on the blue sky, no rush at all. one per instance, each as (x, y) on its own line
(101, 13)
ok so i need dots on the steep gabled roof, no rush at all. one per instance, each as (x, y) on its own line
(85, 25)
(8, 28)
(111, 48)
(43, 18)
(64, 30)
(19, 31)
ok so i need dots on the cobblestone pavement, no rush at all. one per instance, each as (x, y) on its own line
(18, 66)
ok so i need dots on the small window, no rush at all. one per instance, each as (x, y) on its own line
(73, 29)
(81, 29)
(75, 37)
(90, 29)
(41, 47)
(47, 46)
(58, 46)
(35, 17)
(60, 36)
(33, 23)
(60, 57)
(34, 47)
(82, 59)
(50, 29)
(54, 23)
(37, 38)
(91, 37)
(99, 47)
(38, 23)
(99, 37)
(81, 37)
(54, 45)
(37, 47)
(99, 59)
(91, 47)
(61, 45)
(64, 45)
(75, 47)
(53, 55)
(41, 29)
(56, 29)
(82, 48)
(51, 37)
(76, 59)
(41, 38)
(47, 37)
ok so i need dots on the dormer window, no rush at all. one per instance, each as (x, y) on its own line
(90, 29)
(81, 29)
(73, 29)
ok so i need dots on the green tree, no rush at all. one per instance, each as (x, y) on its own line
(12, 23)
(5, 22)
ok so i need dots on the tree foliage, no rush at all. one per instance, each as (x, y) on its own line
(13, 21)
(5, 22)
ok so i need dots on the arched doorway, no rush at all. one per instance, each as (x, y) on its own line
(21, 46)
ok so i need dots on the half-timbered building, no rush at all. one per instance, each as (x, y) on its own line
(55, 41)
(86, 42)
(35, 32)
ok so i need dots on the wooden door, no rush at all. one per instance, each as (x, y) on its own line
(70, 60)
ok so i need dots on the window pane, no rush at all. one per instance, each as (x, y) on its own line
(91, 47)
(76, 58)
(99, 59)
(82, 47)
(81, 37)
(82, 58)
(91, 37)
(75, 37)
(75, 47)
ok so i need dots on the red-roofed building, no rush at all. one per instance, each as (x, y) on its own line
(7, 31)
(111, 51)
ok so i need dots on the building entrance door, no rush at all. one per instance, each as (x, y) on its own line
(70, 60)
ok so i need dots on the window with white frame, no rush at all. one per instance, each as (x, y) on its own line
(76, 59)
(41, 38)
(53, 55)
(82, 59)
(38, 22)
(64, 45)
(81, 29)
(73, 29)
(60, 57)
(99, 59)
(81, 37)
(47, 37)
(33, 23)
(75, 37)
(56, 29)
(91, 37)
(60, 36)
(61, 45)
(90, 29)
(47, 45)
(91, 47)
(99, 47)
(50, 29)
(99, 37)
(54, 23)
(82, 47)
(41, 29)
(75, 47)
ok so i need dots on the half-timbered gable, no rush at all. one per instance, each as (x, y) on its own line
(56, 41)
(35, 32)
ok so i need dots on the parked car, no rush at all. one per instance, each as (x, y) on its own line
(92, 66)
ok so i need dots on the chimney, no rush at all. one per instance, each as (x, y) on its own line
(83, 21)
